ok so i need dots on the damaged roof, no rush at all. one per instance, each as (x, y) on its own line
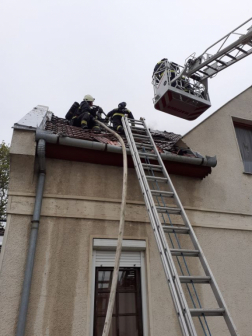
(67, 142)
(165, 141)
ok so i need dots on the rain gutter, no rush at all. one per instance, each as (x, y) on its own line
(33, 241)
(50, 137)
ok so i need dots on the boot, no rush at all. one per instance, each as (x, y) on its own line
(96, 129)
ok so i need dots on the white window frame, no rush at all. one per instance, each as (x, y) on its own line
(137, 246)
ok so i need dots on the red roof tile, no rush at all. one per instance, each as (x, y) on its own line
(165, 141)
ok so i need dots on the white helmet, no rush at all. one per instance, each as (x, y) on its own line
(89, 98)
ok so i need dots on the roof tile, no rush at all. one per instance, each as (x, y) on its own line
(165, 141)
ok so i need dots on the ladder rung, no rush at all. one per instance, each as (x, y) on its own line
(185, 253)
(138, 132)
(232, 57)
(155, 178)
(242, 50)
(156, 167)
(205, 73)
(221, 62)
(139, 136)
(137, 121)
(167, 209)
(175, 229)
(207, 312)
(162, 193)
(147, 154)
(214, 69)
(195, 279)
(138, 128)
(140, 144)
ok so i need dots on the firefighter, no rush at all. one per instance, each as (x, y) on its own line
(116, 116)
(75, 112)
(84, 115)
(94, 112)
(160, 68)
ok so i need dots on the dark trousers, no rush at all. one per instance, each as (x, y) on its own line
(85, 120)
(117, 123)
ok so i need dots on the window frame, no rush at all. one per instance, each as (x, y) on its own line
(127, 245)
(138, 298)
(247, 125)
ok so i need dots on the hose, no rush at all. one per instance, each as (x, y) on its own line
(120, 235)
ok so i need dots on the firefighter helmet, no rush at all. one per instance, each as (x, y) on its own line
(89, 98)
(122, 105)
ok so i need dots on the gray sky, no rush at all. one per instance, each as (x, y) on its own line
(55, 52)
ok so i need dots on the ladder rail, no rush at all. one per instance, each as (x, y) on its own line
(166, 257)
(183, 257)
(154, 211)
(202, 258)
(207, 58)
(159, 242)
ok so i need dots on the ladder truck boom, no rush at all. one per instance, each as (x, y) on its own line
(185, 95)
(209, 64)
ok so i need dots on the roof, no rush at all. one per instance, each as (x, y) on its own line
(67, 142)
(165, 141)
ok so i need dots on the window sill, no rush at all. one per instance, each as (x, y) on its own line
(247, 173)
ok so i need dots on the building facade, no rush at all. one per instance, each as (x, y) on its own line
(79, 224)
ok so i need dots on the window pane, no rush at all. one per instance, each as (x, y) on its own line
(244, 137)
(100, 325)
(127, 280)
(127, 313)
(128, 326)
(104, 280)
(127, 303)
(102, 303)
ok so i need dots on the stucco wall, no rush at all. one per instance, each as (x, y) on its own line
(227, 188)
(82, 201)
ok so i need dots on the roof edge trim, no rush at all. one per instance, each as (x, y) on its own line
(67, 141)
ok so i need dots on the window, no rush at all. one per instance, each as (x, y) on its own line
(130, 309)
(244, 137)
(127, 315)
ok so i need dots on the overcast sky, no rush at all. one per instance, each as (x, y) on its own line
(55, 52)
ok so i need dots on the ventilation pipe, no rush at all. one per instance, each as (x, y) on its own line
(33, 241)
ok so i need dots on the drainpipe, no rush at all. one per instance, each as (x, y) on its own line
(33, 241)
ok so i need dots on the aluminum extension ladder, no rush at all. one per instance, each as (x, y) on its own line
(142, 146)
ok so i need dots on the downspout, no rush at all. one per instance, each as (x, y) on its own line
(33, 241)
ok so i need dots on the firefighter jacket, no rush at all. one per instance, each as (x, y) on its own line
(96, 111)
(119, 112)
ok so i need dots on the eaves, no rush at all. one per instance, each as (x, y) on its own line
(66, 148)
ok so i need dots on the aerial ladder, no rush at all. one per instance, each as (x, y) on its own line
(182, 91)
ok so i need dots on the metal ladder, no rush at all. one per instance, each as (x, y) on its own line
(142, 146)
(210, 62)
